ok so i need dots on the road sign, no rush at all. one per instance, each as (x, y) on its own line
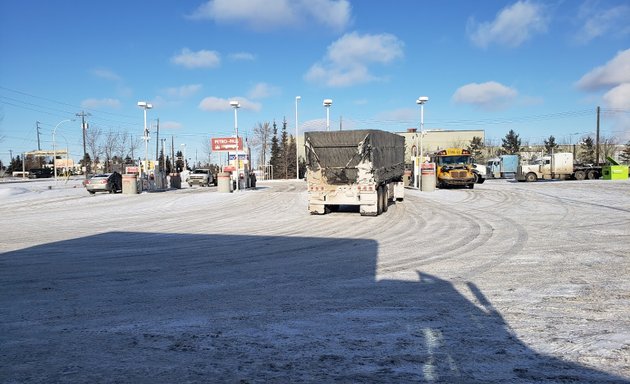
(226, 144)
(241, 156)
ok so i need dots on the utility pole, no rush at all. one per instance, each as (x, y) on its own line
(597, 140)
(173, 154)
(39, 147)
(84, 127)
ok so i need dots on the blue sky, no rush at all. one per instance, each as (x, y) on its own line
(538, 67)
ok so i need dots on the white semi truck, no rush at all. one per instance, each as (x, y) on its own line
(557, 166)
(361, 167)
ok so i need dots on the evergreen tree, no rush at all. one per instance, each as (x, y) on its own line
(284, 151)
(511, 143)
(179, 164)
(476, 149)
(15, 165)
(625, 153)
(550, 145)
(274, 161)
(86, 162)
(587, 151)
(169, 167)
(291, 171)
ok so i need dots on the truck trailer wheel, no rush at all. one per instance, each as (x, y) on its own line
(531, 177)
(379, 200)
(580, 175)
(385, 199)
(592, 174)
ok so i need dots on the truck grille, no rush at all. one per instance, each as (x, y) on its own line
(458, 174)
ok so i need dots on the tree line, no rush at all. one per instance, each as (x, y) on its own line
(511, 144)
(277, 151)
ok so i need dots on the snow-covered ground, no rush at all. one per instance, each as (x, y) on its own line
(509, 282)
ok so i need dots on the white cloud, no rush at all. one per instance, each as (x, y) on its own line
(489, 96)
(106, 74)
(599, 22)
(171, 125)
(347, 59)
(213, 104)
(182, 92)
(199, 59)
(512, 26)
(618, 97)
(334, 14)
(613, 73)
(100, 103)
(262, 91)
(275, 14)
(242, 56)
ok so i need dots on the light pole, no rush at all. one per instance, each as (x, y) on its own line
(421, 101)
(236, 105)
(55, 147)
(327, 104)
(297, 151)
(144, 105)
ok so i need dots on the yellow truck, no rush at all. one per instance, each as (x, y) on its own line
(453, 168)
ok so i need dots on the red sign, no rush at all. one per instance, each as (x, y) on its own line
(226, 144)
(229, 168)
(129, 170)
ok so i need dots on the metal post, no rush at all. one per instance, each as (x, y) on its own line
(236, 160)
(297, 151)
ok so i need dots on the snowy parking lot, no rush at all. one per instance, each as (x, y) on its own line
(509, 282)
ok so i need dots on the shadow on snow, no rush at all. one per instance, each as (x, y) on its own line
(147, 307)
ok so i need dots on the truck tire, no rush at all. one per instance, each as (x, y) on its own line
(385, 199)
(592, 174)
(531, 177)
(580, 175)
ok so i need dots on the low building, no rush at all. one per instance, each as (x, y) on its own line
(435, 139)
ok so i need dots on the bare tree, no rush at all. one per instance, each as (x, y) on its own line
(110, 142)
(92, 142)
(608, 146)
(261, 139)
(131, 148)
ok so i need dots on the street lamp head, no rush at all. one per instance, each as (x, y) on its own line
(145, 105)
(422, 100)
(235, 104)
(298, 98)
(327, 102)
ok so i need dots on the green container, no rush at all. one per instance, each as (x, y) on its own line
(615, 172)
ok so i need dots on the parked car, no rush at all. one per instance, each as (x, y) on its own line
(38, 173)
(105, 182)
(203, 177)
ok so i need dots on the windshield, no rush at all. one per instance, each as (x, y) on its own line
(204, 171)
(443, 160)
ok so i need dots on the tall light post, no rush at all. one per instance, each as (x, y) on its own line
(297, 151)
(144, 105)
(236, 105)
(421, 101)
(55, 147)
(327, 104)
